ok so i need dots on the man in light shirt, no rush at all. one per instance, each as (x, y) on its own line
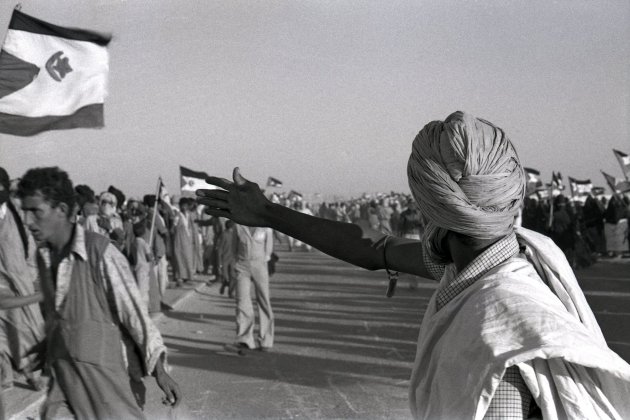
(90, 302)
(253, 250)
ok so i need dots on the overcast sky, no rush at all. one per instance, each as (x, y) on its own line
(327, 96)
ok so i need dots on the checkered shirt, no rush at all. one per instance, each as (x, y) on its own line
(497, 253)
(512, 398)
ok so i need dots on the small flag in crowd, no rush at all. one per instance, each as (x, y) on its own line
(624, 162)
(579, 188)
(543, 193)
(598, 190)
(274, 182)
(556, 180)
(193, 180)
(294, 195)
(162, 191)
(616, 184)
(533, 180)
(533, 176)
(51, 77)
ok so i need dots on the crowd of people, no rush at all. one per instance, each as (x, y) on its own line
(587, 229)
(54, 234)
(508, 332)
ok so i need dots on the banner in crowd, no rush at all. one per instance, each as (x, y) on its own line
(598, 190)
(294, 195)
(624, 162)
(191, 181)
(616, 185)
(556, 180)
(542, 193)
(274, 182)
(533, 180)
(51, 77)
(580, 187)
(162, 191)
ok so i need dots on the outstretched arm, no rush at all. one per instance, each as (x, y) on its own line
(244, 202)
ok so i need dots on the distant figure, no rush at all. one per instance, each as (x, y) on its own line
(410, 226)
(563, 229)
(160, 238)
(616, 226)
(226, 244)
(144, 264)
(254, 247)
(107, 222)
(183, 251)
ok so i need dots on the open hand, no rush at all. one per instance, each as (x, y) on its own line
(241, 201)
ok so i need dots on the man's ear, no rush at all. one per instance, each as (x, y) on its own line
(65, 209)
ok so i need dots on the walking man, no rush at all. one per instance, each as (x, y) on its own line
(92, 306)
(253, 251)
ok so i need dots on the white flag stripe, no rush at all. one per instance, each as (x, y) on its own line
(86, 84)
(192, 184)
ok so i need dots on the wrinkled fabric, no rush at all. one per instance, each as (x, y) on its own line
(526, 313)
(466, 177)
(21, 329)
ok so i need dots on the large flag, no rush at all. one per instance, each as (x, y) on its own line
(273, 182)
(580, 187)
(51, 77)
(624, 162)
(616, 184)
(191, 181)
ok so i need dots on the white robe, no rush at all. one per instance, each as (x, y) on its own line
(534, 316)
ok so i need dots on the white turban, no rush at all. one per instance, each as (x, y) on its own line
(466, 177)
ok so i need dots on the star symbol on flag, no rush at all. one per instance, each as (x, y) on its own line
(58, 66)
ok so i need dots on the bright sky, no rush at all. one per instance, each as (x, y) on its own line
(327, 96)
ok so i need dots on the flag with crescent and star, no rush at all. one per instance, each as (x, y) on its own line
(191, 181)
(51, 77)
(580, 187)
(624, 162)
(533, 181)
(274, 182)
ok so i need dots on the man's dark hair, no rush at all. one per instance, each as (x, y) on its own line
(149, 200)
(120, 197)
(53, 183)
(85, 194)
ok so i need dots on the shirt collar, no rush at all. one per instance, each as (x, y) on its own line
(78, 244)
(3, 210)
(497, 253)
(488, 259)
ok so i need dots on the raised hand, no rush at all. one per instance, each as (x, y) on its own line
(240, 200)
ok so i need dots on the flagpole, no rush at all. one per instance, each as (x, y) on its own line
(550, 204)
(157, 199)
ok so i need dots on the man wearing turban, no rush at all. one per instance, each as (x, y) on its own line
(508, 332)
